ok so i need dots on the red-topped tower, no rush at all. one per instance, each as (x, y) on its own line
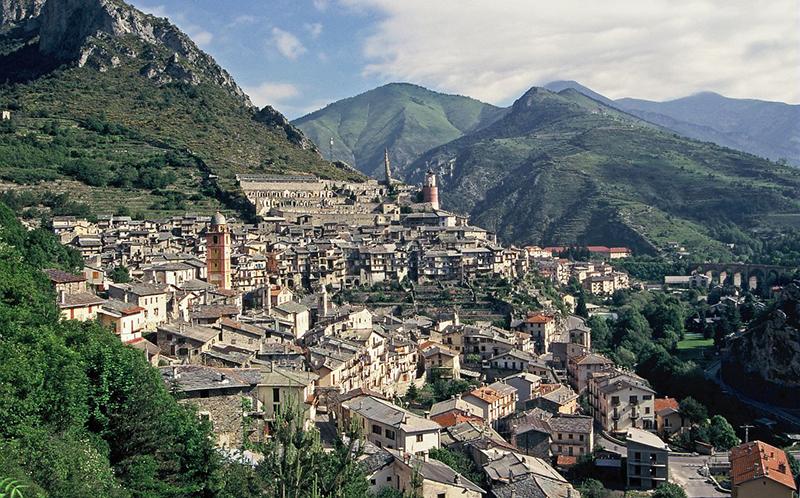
(218, 253)
(430, 192)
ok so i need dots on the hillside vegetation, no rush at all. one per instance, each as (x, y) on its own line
(406, 119)
(564, 168)
(125, 106)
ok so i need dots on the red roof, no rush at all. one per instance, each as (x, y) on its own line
(662, 403)
(453, 417)
(756, 460)
(539, 318)
(566, 461)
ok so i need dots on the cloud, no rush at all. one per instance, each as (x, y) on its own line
(272, 93)
(321, 5)
(314, 29)
(156, 10)
(657, 49)
(200, 36)
(242, 20)
(287, 44)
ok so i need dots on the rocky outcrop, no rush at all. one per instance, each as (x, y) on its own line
(15, 12)
(764, 361)
(102, 33)
(771, 348)
(274, 119)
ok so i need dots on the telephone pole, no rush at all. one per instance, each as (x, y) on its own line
(746, 428)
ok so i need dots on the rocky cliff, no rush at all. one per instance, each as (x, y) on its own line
(13, 12)
(770, 349)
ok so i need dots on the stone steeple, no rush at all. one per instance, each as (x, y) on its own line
(387, 170)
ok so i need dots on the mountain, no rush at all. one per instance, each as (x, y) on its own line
(766, 129)
(110, 104)
(561, 168)
(557, 86)
(403, 118)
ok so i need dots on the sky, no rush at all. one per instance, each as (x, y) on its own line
(300, 55)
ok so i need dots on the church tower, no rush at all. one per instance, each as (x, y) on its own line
(218, 253)
(387, 170)
(430, 192)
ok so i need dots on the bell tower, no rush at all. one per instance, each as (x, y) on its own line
(387, 169)
(430, 191)
(218, 253)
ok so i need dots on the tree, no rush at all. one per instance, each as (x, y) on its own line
(601, 333)
(412, 394)
(692, 410)
(669, 490)
(120, 275)
(794, 465)
(721, 433)
(592, 488)
(580, 308)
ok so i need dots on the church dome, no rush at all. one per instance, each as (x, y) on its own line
(217, 219)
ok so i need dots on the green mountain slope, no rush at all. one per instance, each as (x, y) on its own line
(407, 119)
(119, 108)
(564, 168)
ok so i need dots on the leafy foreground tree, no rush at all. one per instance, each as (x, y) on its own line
(82, 414)
(669, 490)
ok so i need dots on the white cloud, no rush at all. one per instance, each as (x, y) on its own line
(287, 44)
(658, 49)
(314, 29)
(156, 10)
(200, 36)
(242, 20)
(272, 93)
(321, 5)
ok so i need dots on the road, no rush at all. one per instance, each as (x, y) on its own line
(683, 470)
(713, 373)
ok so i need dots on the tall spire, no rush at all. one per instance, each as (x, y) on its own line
(387, 170)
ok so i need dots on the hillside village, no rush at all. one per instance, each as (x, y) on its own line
(246, 320)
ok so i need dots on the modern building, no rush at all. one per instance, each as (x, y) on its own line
(648, 460)
(619, 400)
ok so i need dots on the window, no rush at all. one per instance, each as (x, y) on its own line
(647, 397)
(569, 436)
(389, 434)
(372, 482)
(646, 409)
(441, 495)
(419, 438)
(376, 429)
(276, 395)
(580, 437)
(614, 400)
(637, 456)
(633, 400)
(560, 436)
(388, 478)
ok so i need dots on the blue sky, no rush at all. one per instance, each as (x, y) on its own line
(295, 55)
(299, 55)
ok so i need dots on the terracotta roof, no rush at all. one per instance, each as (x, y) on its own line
(451, 418)
(486, 394)
(756, 460)
(664, 403)
(566, 460)
(539, 318)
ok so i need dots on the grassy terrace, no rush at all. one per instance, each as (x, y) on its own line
(695, 347)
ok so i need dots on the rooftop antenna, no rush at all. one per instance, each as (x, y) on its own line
(747, 428)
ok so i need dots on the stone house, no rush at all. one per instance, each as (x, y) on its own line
(542, 327)
(219, 395)
(279, 387)
(619, 400)
(153, 298)
(668, 416)
(493, 402)
(389, 426)
(186, 342)
(527, 386)
(443, 360)
(125, 319)
(580, 369)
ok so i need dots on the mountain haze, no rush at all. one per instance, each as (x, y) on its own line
(561, 168)
(109, 103)
(407, 119)
(766, 129)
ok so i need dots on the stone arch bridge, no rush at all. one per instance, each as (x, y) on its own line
(742, 274)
